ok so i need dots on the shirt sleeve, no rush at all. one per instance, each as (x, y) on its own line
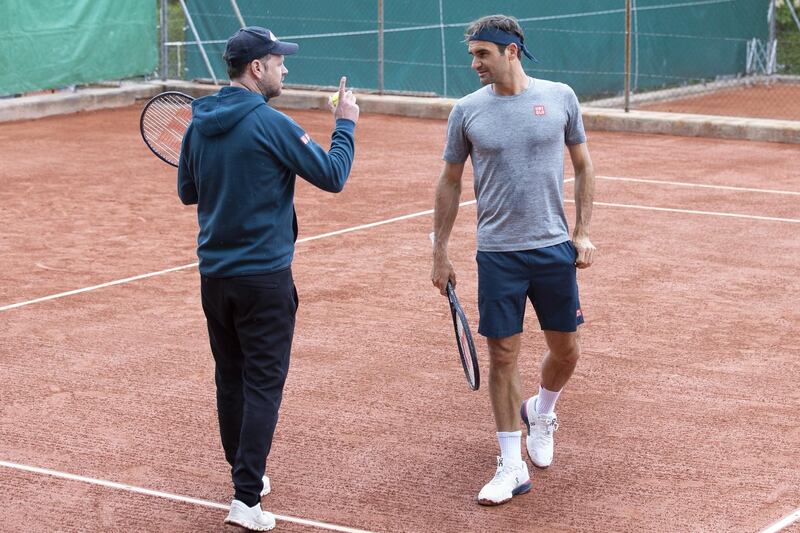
(187, 191)
(458, 146)
(573, 132)
(293, 147)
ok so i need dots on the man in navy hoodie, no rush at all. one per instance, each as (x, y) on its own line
(238, 163)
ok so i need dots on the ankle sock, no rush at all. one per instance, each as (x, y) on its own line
(510, 448)
(546, 402)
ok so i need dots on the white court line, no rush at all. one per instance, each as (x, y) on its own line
(192, 265)
(700, 185)
(694, 212)
(783, 522)
(381, 223)
(95, 287)
(169, 496)
(371, 225)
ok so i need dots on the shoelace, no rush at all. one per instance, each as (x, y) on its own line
(549, 427)
(501, 473)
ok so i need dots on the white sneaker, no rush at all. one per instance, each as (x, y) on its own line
(252, 518)
(539, 441)
(509, 481)
(266, 488)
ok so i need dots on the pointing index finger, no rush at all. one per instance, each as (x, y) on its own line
(342, 83)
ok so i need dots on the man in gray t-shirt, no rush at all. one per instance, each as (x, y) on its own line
(514, 129)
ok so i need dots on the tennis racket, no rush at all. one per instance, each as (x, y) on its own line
(466, 346)
(163, 122)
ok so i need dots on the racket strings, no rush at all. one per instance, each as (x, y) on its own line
(164, 124)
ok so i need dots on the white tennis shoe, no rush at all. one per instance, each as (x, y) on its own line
(266, 488)
(509, 480)
(252, 518)
(539, 441)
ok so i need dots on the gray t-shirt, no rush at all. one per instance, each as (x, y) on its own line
(517, 149)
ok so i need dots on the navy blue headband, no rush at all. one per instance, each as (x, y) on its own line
(498, 36)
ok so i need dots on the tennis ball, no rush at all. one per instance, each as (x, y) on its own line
(334, 99)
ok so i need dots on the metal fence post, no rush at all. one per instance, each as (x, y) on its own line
(198, 41)
(772, 45)
(772, 15)
(627, 55)
(380, 46)
(164, 36)
(238, 13)
(793, 13)
(444, 49)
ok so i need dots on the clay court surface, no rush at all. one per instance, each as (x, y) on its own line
(682, 414)
(775, 100)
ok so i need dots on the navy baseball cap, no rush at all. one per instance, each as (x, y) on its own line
(254, 42)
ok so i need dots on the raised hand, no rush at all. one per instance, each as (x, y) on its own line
(346, 106)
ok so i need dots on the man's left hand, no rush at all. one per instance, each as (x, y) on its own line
(585, 250)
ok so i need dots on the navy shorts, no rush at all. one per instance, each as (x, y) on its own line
(546, 276)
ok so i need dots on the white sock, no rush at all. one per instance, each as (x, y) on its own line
(510, 449)
(546, 402)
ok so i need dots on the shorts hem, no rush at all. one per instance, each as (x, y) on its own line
(561, 329)
(503, 335)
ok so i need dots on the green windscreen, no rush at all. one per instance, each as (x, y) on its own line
(580, 42)
(54, 43)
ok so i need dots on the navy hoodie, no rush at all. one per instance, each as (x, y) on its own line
(238, 163)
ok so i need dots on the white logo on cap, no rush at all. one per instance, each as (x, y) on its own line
(271, 36)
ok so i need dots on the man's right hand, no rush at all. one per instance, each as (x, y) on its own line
(442, 272)
(346, 106)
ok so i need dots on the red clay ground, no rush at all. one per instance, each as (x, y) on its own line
(777, 101)
(682, 414)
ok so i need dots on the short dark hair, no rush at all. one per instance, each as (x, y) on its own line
(501, 22)
(236, 70)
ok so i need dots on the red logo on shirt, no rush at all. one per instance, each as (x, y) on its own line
(305, 138)
(538, 109)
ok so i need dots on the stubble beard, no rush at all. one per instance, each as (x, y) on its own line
(268, 91)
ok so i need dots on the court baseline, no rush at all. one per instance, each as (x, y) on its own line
(169, 496)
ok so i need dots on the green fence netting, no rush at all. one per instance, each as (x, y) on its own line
(55, 43)
(580, 42)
